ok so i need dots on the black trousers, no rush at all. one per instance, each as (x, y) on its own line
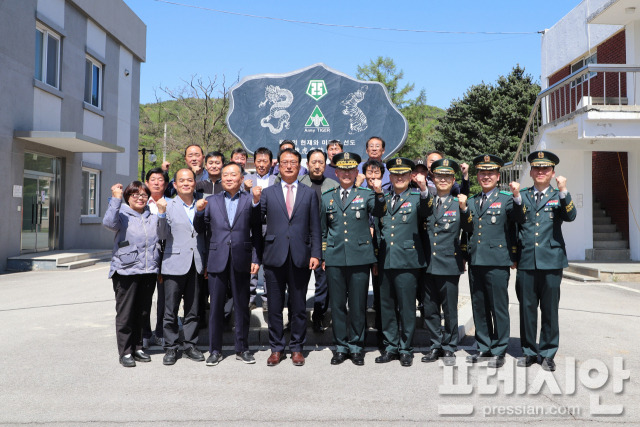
(146, 319)
(186, 288)
(131, 293)
(321, 296)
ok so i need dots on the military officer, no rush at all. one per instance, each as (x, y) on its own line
(493, 249)
(542, 256)
(401, 256)
(446, 216)
(347, 249)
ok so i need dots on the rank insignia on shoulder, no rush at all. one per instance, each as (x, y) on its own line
(430, 202)
(570, 206)
(324, 246)
(508, 193)
(470, 218)
(524, 208)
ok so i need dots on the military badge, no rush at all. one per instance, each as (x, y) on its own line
(487, 159)
(496, 205)
(540, 155)
(398, 161)
(430, 202)
(358, 214)
(446, 226)
(493, 220)
(445, 162)
(346, 156)
(404, 218)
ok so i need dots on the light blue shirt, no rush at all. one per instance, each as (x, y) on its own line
(189, 209)
(231, 204)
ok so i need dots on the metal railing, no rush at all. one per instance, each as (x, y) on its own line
(592, 85)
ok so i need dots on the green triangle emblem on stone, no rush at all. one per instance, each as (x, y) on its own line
(317, 119)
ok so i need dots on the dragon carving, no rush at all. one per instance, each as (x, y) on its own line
(357, 119)
(281, 99)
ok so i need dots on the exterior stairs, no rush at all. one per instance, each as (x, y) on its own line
(608, 243)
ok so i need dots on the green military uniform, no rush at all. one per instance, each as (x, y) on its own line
(401, 257)
(445, 265)
(347, 249)
(542, 256)
(492, 248)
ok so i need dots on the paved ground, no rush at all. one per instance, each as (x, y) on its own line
(60, 366)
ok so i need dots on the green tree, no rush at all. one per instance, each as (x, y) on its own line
(490, 118)
(384, 70)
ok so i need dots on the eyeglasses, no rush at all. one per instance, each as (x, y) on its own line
(137, 196)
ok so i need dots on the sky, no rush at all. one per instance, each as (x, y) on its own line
(183, 41)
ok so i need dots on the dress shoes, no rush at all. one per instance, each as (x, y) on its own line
(194, 354)
(449, 358)
(386, 357)
(496, 362)
(526, 361)
(274, 359)
(357, 358)
(406, 360)
(214, 358)
(338, 358)
(246, 357)
(433, 355)
(127, 361)
(297, 358)
(475, 358)
(548, 364)
(317, 326)
(141, 356)
(169, 357)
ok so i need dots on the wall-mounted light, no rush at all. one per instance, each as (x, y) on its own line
(126, 72)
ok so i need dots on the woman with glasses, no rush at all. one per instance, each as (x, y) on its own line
(134, 264)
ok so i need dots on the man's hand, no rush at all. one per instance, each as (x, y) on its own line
(255, 268)
(562, 183)
(116, 191)
(205, 274)
(257, 192)
(374, 268)
(462, 199)
(201, 204)
(377, 185)
(421, 180)
(248, 184)
(165, 166)
(514, 265)
(323, 266)
(360, 179)
(515, 188)
(313, 263)
(196, 169)
(464, 168)
(162, 205)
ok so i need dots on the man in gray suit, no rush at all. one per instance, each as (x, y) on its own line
(262, 159)
(182, 263)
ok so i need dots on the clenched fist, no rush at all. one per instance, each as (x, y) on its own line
(360, 179)
(515, 188)
(201, 204)
(162, 205)
(462, 199)
(562, 183)
(165, 166)
(116, 191)
(257, 192)
(421, 180)
(464, 168)
(377, 185)
(248, 184)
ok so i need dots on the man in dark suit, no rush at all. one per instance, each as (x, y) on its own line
(182, 263)
(492, 248)
(292, 249)
(232, 223)
(542, 256)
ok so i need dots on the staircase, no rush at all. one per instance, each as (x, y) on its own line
(608, 244)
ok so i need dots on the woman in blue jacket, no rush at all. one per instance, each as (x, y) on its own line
(134, 264)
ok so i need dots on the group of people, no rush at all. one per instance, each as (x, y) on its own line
(406, 226)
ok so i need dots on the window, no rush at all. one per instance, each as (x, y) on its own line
(93, 82)
(90, 186)
(593, 59)
(47, 56)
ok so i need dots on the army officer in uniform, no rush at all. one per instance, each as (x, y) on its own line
(542, 256)
(401, 257)
(447, 215)
(492, 247)
(347, 252)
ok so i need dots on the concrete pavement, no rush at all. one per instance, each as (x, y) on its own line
(60, 365)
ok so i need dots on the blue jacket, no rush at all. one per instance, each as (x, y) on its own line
(142, 253)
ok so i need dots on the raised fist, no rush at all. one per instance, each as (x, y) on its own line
(464, 168)
(377, 185)
(201, 204)
(165, 166)
(360, 179)
(248, 184)
(257, 192)
(421, 180)
(515, 188)
(462, 199)
(562, 183)
(116, 191)
(162, 205)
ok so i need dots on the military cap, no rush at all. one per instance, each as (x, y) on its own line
(542, 159)
(400, 165)
(487, 162)
(346, 160)
(445, 167)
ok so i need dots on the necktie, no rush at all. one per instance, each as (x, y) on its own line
(345, 195)
(395, 200)
(289, 200)
(438, 205)
(484, 199)
(538, 197)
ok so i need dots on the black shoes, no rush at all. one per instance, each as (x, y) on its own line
(141, 356)
(449, 358)
(548, 364)
(338, 358)
(496, 362)
(433, 355)
(169, 357)
(127, 361)
(214, 358)
(386, 357)
(526, 361)
(406, 360)
(475, 358)
(246, 357)
(194, 354)
(317, 326)
(357, 359)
